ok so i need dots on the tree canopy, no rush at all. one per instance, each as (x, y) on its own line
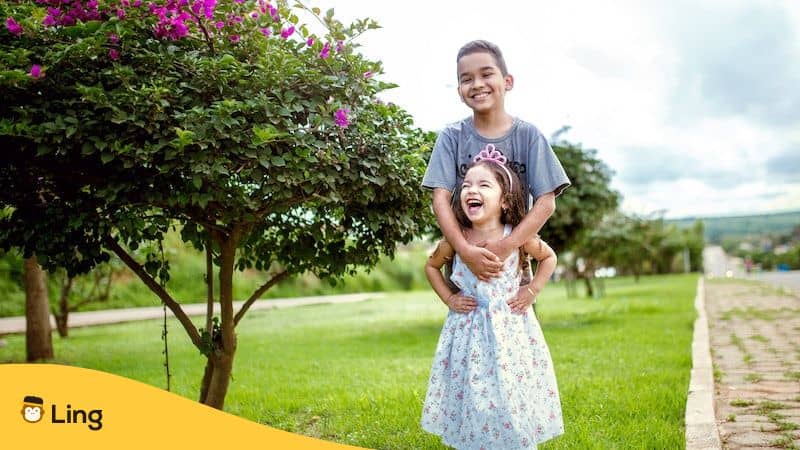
(260, 135)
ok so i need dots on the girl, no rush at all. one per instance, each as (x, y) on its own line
(492, 384)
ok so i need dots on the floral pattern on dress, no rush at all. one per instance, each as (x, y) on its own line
(492, 383)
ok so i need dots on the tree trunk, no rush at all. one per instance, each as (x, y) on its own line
(38, 334)
(62, 314)
(220, 363)
(589, 287)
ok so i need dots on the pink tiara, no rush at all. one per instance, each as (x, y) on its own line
(491, 154)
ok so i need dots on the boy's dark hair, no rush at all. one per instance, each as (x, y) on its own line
(481, 46)
(514, 199)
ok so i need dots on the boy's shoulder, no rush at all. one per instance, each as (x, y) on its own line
(522, 126)
(457, 126)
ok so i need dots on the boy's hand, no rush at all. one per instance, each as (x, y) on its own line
(520, 303)
(461, 303)
(500, 248)
(482, 262)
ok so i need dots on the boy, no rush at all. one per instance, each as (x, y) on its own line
(483, 80)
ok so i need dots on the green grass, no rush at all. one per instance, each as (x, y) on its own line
(753, 377)
(742, 403)
(357, 373)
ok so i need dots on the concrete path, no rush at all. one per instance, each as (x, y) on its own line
(754, 332)
(11, 325)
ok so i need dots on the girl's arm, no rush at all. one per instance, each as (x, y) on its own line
(433, 271)
(546, 259)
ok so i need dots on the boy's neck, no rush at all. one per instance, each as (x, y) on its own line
(492, 124)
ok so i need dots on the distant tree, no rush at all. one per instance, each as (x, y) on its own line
(583, 204)
(263, 140)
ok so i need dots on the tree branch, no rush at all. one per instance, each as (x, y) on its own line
(209, 281)
(258, 293)
(176, 309)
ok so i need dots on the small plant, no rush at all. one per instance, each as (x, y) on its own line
(792, 375)
(731, 418)
(787, 426)
(767, 406)
(759, 338)
(753, 377)
(741, 403)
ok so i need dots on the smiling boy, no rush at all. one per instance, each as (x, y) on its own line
(483, 81)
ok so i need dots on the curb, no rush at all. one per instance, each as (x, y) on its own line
(701, 423)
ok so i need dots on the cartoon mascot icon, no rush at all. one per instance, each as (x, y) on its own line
(32, 408)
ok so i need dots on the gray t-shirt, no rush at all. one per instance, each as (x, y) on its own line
(524, 146)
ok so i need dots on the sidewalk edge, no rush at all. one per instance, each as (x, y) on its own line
(701, 423)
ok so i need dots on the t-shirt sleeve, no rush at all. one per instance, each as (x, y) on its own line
(545, 172)
(441, 171)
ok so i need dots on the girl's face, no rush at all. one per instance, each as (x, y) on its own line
(481, 196)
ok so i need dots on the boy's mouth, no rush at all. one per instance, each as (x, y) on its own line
(480, 96)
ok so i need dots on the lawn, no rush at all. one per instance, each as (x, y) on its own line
(357, 373)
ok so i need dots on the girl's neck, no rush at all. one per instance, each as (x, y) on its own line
(486, 231)
(492, 124)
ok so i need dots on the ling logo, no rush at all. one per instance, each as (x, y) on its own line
(33, 411)
(32, 408)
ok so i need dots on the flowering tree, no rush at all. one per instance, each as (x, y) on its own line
(261, 138)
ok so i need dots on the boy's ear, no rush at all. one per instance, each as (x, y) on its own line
(509, 81)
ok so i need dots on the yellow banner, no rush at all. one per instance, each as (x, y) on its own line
(58, 407)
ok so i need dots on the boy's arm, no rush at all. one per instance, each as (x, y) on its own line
(433, 272)
(542, 209)
(482, 262)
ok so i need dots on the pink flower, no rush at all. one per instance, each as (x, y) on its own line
(368, 74)
(120, 14)
(273, 12)
(137, 3)
(36, 71)
(234, 38)
(49, 21)
(113, 54)
(220, 25)
(310, 41)
(286, 32)
(113, 39)
(266, 31)
(340, 117)
(339, 46)
(326, 51)
(13, 26)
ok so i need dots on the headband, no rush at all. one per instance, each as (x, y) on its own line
(489, 153)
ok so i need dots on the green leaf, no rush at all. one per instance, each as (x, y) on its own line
(263, 135)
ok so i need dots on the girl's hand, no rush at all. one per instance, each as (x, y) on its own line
(526, 296)
(483, 263)
(460, 303)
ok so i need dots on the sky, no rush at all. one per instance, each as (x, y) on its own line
(694, 105)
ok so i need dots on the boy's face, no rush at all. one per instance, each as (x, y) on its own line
(481, 84)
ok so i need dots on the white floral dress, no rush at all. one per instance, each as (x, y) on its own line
(492, 384)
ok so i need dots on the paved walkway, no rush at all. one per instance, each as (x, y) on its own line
(754, 332)
(11, 325)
